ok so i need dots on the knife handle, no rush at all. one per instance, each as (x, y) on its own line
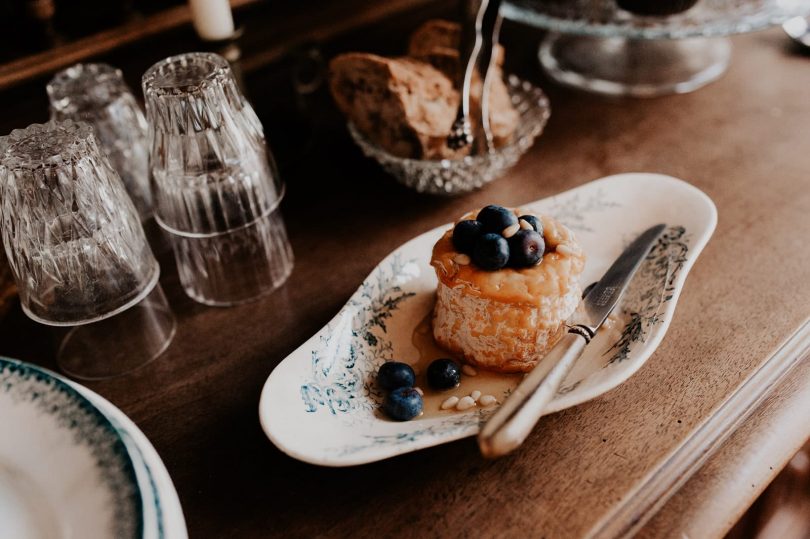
(518, 415)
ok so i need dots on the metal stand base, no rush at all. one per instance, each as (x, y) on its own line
(634, 67)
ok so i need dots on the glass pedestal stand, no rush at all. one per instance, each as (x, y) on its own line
(598, 47)
(623, 66)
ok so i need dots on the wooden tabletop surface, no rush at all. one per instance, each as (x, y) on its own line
(720, 492)
(741, 140)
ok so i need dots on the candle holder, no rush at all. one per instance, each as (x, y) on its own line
(229, 49)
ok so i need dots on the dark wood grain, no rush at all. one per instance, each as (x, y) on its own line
(284, 26)
(63, 55)
(742, 140)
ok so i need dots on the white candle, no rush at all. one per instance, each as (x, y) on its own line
(213, 19)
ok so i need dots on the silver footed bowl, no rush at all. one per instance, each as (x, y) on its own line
(456, 176)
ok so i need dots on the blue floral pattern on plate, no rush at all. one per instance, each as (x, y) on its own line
(320, 404)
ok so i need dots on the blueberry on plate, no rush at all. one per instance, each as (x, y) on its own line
(393, 375)
(443, 374)
(465, 234)
(536, 223)
(496, 218)
(491, 252)
(403, 404)
(525, 249)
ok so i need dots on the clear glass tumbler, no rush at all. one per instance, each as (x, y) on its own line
(216, 188)
(78, 252)
(98, 95)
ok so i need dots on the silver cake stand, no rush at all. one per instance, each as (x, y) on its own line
(595, 46)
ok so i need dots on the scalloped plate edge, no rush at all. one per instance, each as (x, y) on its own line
(698, 242)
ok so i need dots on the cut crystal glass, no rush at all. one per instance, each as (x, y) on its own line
(78, 253)
(216, 187)
(98, 95)
(72, 235)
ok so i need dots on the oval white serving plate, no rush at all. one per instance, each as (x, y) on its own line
(64, 469)
(318, 405)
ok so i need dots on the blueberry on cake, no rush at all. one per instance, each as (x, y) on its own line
(508, 280)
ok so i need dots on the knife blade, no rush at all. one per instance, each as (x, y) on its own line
(606, 293)
(511, 424)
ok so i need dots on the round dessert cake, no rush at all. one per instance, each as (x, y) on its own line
(506, 319)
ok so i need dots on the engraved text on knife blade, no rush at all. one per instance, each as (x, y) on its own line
(611, 286)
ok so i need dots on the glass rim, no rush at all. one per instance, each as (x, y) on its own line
(149, 285)
(700, 21)
(157, 80)
(83, 86)
(49, 144)
(272, 208)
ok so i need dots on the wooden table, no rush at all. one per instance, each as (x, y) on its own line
(745, 305)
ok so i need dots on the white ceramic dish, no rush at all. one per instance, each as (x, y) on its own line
(152, 474)
(320, 404)
(64, 469)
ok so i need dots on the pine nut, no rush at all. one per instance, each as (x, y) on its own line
(565, 249)
(475, 395)
(469, 370)
(465, 403)
(462, 260)
(450, 402)
(510, 231)
(525, 225)
(487, 400)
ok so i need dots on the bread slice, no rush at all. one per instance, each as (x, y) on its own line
(438, 40)
(404, 105)
(407, 105)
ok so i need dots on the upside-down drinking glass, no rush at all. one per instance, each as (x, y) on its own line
(98, 95)
(216, 188)
(77, 250)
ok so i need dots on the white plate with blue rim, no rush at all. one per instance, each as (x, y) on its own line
(322, 406)
(64, 469)
(161, 502)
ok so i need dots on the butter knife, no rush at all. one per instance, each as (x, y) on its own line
(518, 415)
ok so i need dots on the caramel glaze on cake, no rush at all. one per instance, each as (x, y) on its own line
(506, 320)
